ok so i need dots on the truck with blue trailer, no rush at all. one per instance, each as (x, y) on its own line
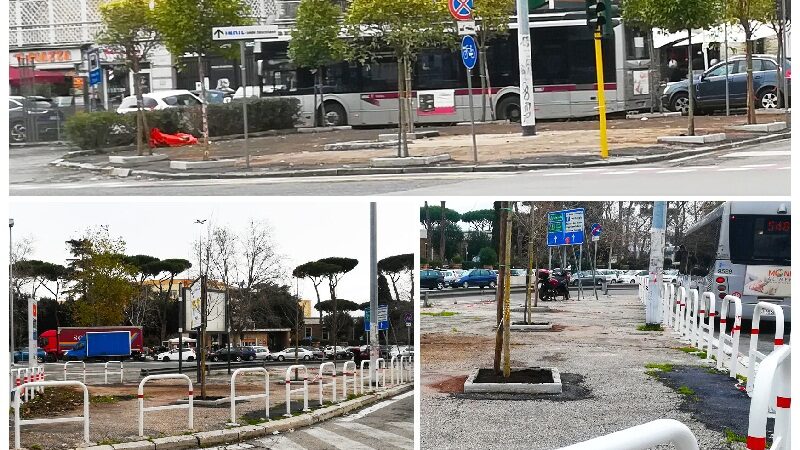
(101, 345)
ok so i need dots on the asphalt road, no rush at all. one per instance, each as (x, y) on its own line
(750, 170)
(385, 425)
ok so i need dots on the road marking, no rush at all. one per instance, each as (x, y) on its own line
(733, 169)
(280, 442)
(678, 170)
(404, 425)
(385, 436)
(618, 172)
(375, 407)
(335, 440)
(757, 153)
(755, 166)
(558, 174)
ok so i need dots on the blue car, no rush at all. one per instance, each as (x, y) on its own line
(476, 277)
(710, 86)
(21, 355)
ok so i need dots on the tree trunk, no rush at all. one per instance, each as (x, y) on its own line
(409, 103)
(690, 53)
(442, 232)
(400, 107)
(142, 131)
(751, 97)
(500, 295)
(507, 295)
(203, 109)
(482, 72)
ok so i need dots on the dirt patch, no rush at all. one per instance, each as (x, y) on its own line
(450, 385)
(52, 401)
(527, 376)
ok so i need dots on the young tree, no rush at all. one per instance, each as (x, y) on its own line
(185, 27)
(128, 29)
(750, 14)
(493, 18)
(674, 16)
(316, 43)
(404, 27)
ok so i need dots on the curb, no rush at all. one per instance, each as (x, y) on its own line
(237, 434)
(500, 167)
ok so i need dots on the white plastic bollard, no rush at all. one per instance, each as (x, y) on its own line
(121, 371)
(66, 364)
(772, 387)
(733, 339)
(407, 367)
(352, 374)
(754, 356)
(693, 313)
(18, 422)
(234, 398)
(290, 391)
(331, 383)
(680, 315)
(142, 409)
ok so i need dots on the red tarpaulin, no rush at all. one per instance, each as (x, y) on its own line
(159, 139)
(39, 76)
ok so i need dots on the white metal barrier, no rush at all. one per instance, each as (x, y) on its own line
(121, 372)
(23, 376)
(705, 327)
(692, 313)
(754, 357)
(265, 395)
(733, 338)
(352, 374)
(395, 371)
(772, 388)
(331, 383)
(671, 304)
(142, 409)
(83, 364)
(368, 377)
(642, 437)
(679, 327)
(407, 363)
(51, 420)
(380, 372)
(290, 391)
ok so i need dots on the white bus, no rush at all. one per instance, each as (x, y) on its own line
(742, 249)
(563, 65)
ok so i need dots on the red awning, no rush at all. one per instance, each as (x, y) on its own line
(39, 76)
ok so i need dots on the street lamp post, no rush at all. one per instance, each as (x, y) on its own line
(11, 285)
(201, 361)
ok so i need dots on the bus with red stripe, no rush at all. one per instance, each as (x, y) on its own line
(564, 75)
(741, 249)
(58, 342)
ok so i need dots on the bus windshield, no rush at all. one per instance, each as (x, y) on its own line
(760, 239)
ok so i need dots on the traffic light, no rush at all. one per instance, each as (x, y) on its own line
(597, 15)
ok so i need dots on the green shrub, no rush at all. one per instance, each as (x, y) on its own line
(99, 129)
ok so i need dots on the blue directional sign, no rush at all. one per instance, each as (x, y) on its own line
(95, 74)
(565, 227)
(383, 318)
(469, 52)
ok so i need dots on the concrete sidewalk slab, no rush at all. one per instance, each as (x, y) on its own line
(409, 161)
(131, 161)
(415, 135)
(701, 139)
(760, 127)
(189, 165)
(359, 145)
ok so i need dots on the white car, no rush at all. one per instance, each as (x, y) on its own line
(670, 276)
(609, 274)
(288, 354)
(261, 352)
(160, 100)
(173, 355)
(632, 276)
(339, 351)
(403, 350)
(450, 276)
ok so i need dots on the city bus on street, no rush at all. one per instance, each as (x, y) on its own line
(564, 77)
(742, 249)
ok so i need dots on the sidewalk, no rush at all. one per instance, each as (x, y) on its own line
(601, 357)
(556, 144)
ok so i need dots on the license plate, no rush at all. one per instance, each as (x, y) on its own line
(53, 117)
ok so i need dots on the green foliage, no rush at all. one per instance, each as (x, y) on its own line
(185, 25)
(453, 236)
(731, 437)
(128, 29)
(315, 38)
(685, 390)
(456, 259)
(663, 367)
(493, 15)
(342, 304)
(439, 314)
(488, 256)
(479, 220)
(435, 212)
(262, 114)
(396, 263)
(672, 16)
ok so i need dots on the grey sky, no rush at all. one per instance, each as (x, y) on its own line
(303, 229)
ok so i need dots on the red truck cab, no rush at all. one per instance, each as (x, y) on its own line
(56, 342)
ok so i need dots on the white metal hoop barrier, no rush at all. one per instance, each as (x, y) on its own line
(642, 282)
(705, 327)
(772, 388)
(692, 313)
(265, 395)
(408, 363)
(365, 362)
(671, 304)
(331, 383)
(380, 372)
(679, 327)
(642, 437)
(754, 357)
(121, 371)
(50, 420)
(290, 391)
(22, 376)
(83, 364)
(395, 371)
(352, 373)
(730, 341)
(142, 409)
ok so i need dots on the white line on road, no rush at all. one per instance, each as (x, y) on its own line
(755, 166)
(375, 407)
(558, 174)
(757, 153)
(404, 425)
(733, 169)
(335, 440)
(280, 442)
(678, 170)
(618, 172)
(384, 436)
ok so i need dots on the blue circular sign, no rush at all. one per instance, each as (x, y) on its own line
(469, 52)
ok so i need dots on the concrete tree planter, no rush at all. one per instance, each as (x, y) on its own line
(211, 164)
(523, 380)
(543, 325)
(699, 139)
(131, 161)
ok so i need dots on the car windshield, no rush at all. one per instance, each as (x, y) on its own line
(181, 100)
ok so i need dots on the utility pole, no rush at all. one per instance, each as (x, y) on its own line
(507, 296)
(181, 324)
(374, 348)
(11, 287)
(442, 230)
(531, 276)
(658, 229)
(526, 109)
(203, 317)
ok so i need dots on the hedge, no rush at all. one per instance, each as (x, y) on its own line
(98, 130)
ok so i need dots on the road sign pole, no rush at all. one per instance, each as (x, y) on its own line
(580, 265)
(243, 65)
(373, 291)
(594, 271)
(472, 116)
(601, 92)
(32, 332)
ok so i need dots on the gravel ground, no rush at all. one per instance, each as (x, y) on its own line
(596, 345)
(118, 422)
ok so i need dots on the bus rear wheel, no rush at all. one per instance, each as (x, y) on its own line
(509, 109)
(335, 115)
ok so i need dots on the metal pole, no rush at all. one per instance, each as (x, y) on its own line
(228, 326)
(373, 289)
(526, 108)
(594, 271)
(181, 324)
(472, 116)
(656, 269)
(601, 92)
(243, 66)
(11, 285)
(784, 60)
(580, 266)
(203, 306)
(727, 87)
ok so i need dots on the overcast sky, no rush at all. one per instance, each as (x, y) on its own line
(303, 230)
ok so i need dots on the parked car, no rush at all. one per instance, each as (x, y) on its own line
(341, 352)
(261, 352)
(174, 355)
(316, 352)
(431, 279)
(586, 278)
(248, 353)
(160, 100)
(609, 274)
(631, 275)
(289, 354)
(449, 276)
(710, 86)
(214, 96)
(223, 354)
(477, 277)
(21, 355)
(24, 112)
(401, 350)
